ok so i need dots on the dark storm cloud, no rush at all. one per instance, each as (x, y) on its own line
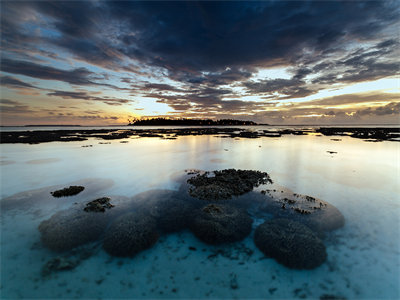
(209, 36)
(11, 107)
(291, 88)
(392, 108)
(90, 117)
(213, 79)
(363, 64)
(14, 83)
(372, 71)
(160, 87)
(86, 96)
(71, 18)
(208, 99)
(307, 115)
(207, 47)
(354, 99)
(8, 102)
(195, 99)
(79, 76)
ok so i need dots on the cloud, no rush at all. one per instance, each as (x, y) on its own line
(291, 88)
(15, 83)
(8, 102)
(208, 36)
(78, 76)
(212, 79)
(160, 87)
(351, 99)
(96, 117)
(195, 56)
(392, 108)
(363, 64)
(86, 96)
(11, 107)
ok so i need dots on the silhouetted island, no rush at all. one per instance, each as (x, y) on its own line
(188, 122)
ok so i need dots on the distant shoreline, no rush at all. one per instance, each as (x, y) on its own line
(370, 134)
(51, 126)
(189, 122)
(272, 125)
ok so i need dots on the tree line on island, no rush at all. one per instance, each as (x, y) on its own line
(187, 122)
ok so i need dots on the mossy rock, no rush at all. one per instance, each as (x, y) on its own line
(315, 213)
(98, 205)
(172, 215)
(291, 243)
(171, 210)
(220, 185)
(70, 228)
(220, 223)
(130, 234)
(69, 191)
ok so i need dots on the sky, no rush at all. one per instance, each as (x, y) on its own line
(275, 62)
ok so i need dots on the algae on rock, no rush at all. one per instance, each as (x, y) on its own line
(224, 184)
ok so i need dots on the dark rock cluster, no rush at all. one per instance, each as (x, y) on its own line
(331, 297)
(98, 205)
(172, 215)
(219, 223)
(44, 136)
(375, 134)
(290, 243)
(292, 232)
(226, 183)
(319, 215)
(130, 234)
(69, 191)
(68, 261)
(172, 210)
(57, 264)
(70, 228)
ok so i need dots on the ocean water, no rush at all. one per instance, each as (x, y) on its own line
(361, 179)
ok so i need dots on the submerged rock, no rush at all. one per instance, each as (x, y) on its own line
(70, 228)
(290, 243)
(172, 215)
(130, 234)
(57, 264)
(331, 297)
(69, 191)
(172, 210)
(224, 184)
(317, 214)
(218, 223)
(98, 205)
(70, 260)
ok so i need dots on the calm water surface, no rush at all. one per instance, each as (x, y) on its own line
(361, 179)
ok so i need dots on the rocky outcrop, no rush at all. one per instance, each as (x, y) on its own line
(315, 213)
(130, 234)
(224, 184)
(172, 214)
(69, 191)
(290, 243)
(218, 223)
(172, 210)
(57, 264)
(98, 205)
(70, 228)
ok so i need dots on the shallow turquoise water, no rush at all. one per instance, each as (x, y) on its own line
(361, 180)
